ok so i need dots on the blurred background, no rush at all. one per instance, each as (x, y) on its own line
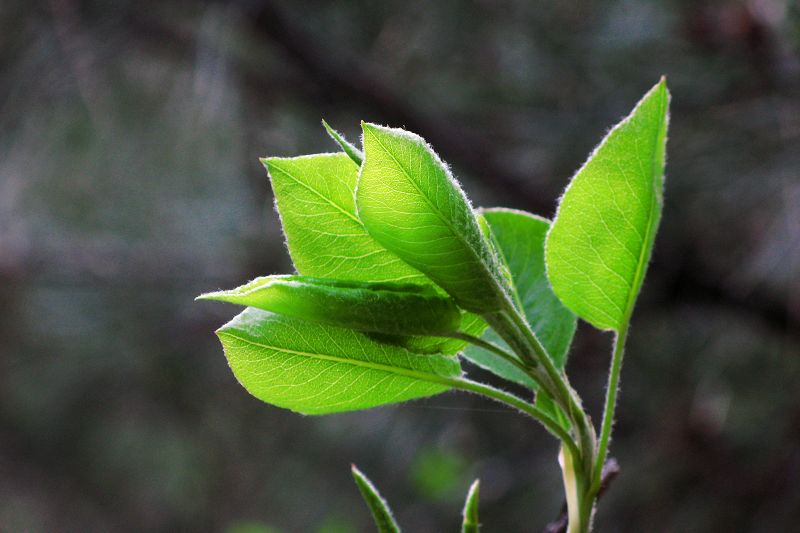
(130, 133)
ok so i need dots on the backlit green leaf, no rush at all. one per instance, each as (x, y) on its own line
(602, 236)
(520, 237)
(390, 308)
(381, 513)
(315, 196)
(326, 239)
(316, 369)
(411, 204)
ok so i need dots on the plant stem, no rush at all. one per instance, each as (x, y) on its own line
(515, 330)
(491, 347)
(576, 522)
(514, 401)
(610, 406)
(563, 394)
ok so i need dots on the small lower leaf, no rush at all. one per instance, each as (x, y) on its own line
(317, 369)
(381, 513)
(470, 523)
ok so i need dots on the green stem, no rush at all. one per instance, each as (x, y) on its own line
(491, 347)
(516, 331)
(562, 393)
(610, 406)
(514, 401)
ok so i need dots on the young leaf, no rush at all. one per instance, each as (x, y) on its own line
(388, 308)
(600, 242)
(326, 239)
(381, 513)
(316, 369)
(315, 196)
(470, 523)
(520, 237)
(351, 151)
(411, 204)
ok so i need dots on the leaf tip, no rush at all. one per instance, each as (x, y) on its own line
(267, 162)
(328, 128)
(369, 126)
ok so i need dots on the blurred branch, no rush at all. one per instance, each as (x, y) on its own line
(610, 473)
(77, 48)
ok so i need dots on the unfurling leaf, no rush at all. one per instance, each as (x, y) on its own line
(316, 369)
(470, 524)
(602, 236)
(381, 513)
(388, 308)
(351, 151)
(411, 204)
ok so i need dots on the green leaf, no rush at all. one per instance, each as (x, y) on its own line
(381, 513)
(600, 242)
(520, 237)
(326, 238)
(470, 523)
(316, 369)
(315, 196)
(389, 308)
(411, 204)
(351, 151)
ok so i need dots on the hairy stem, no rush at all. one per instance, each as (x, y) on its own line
(514, 401)
(491, 347)
(610, 406)
(561, 392)
(579, 476)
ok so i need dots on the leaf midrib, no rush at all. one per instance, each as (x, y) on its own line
(641, 266)
(433, 378)
(318, 193)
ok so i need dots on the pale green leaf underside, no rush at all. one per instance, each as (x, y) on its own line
(470, 523)
(520, 237)
(411, 204)
(388, 308)
(315, 196)
(316, 369)
(381, 513)
(600, 241)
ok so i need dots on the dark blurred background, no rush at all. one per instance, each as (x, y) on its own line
(129, 183)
